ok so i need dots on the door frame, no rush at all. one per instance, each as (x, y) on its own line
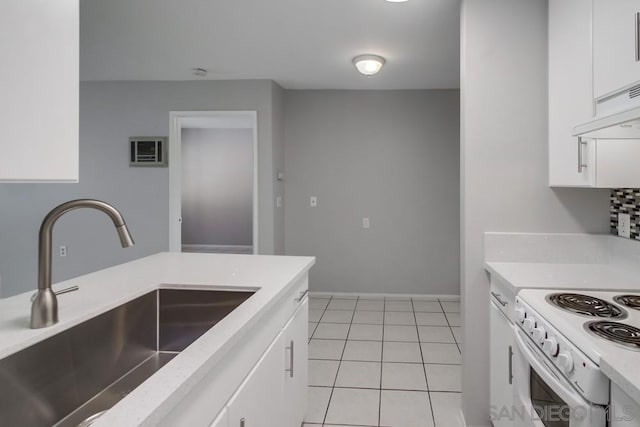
(175, 170)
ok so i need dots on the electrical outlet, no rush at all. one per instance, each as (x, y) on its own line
(313, 201)
(366, 223)
(63, 250)
(624, 225)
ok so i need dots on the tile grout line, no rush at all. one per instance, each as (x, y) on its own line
(314, 331)
(384, 307)
(319, 320)
(424, 368)
(450, 327)
(326, 413)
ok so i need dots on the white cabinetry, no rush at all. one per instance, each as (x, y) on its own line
(501, 355)
(570, 92)
(274, 393)
(617, 163)
(39, 83)
(296, 377)
(596, 163)
(615, 45)
(259, 400)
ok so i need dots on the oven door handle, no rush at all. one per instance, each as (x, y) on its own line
(560, 385)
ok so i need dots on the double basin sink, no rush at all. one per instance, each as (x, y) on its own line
(73, 377)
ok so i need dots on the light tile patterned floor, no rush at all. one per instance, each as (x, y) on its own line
(384, 362)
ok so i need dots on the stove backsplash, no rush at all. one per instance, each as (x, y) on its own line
(625, 200)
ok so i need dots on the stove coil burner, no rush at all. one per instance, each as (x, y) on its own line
(631, 301)
(619, 333)
(585, 305)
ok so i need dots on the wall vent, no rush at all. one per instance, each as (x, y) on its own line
(634, 92)
(148, 151)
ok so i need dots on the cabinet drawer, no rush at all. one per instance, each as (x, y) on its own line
(503, 297)
(294, 298)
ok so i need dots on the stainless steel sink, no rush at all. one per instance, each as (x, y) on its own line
(68, 379)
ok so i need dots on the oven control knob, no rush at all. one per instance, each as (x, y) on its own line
(529, 324)
(539, 334)
(566, 362)
(551, 347)
(520, 314)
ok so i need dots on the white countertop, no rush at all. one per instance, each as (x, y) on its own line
(109, 288)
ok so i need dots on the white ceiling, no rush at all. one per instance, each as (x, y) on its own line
(301, 44)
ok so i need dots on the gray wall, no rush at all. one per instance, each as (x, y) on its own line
(111, 112)
(391, 156)
(504, 163)
(217, 186)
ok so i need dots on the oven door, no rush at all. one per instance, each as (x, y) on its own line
(543, 397)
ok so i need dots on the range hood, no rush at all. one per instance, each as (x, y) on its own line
(623, 125)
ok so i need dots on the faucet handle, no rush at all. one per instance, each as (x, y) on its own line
(60, 292)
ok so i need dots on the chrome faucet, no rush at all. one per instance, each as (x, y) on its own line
(44, 308)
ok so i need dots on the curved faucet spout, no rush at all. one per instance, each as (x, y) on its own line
(44, 310)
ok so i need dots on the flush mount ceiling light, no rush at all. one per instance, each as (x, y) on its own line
(368, 64)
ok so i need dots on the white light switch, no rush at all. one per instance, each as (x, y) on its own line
(279, 202)
(313, 201)
(624, 225)
(366, 223)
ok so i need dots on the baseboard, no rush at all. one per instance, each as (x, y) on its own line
(349, 295)
(219, 249)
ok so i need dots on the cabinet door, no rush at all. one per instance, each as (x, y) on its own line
(259, 400)
(617, 162)
(296, 366)
(615, 32)
(501, 352)
(39, 83)
(570, 92)
(222, 420)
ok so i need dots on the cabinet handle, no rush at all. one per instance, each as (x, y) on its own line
(290, 370)
(242, 422)
(500, 300)
(510, 365)
(637, 37)
(302, 295)
(581, 163)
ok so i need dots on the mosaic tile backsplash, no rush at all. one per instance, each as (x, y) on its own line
(625, 200)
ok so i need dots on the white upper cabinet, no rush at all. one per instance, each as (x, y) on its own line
(570, 93)
(616, 45)
(575, 65)
(39, 90)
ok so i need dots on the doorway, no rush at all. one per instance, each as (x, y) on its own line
(213, 182)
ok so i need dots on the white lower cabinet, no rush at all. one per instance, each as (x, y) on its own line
(274, 394)
(296, 376)
(259, 400)
(501, 355)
